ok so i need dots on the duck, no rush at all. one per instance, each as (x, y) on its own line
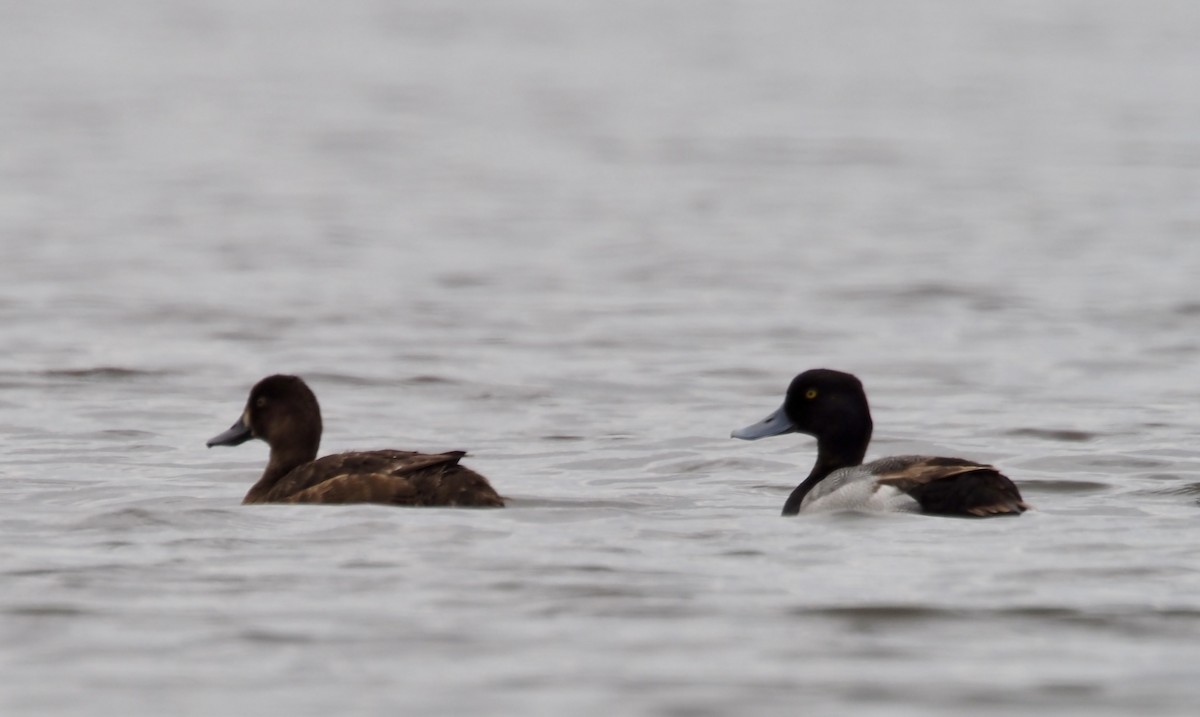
(283, 411)
(831, 406)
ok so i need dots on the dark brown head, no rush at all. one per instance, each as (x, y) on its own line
(826, 404)
(282, 411)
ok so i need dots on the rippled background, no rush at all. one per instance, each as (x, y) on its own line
(583, 241)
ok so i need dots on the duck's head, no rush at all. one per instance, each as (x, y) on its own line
(829, 405)
(281, 410)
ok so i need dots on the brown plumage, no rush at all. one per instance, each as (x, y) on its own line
(283, 411)
(950, 486)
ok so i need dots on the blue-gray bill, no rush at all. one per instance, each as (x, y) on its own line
(237, 434)
(775, 424)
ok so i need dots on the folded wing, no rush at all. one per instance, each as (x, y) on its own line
(391, 477)
(951, 486)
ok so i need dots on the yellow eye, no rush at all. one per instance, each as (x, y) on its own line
(810, 393)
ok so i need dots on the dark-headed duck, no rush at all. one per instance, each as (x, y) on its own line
(832, 407)
(283, 411)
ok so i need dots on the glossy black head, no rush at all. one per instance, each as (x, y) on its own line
(829, 405)
(281, 410)
(823, 402)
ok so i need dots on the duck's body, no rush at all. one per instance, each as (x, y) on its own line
(283, 411)
(392, 477)
(913, 484)
(832, 406)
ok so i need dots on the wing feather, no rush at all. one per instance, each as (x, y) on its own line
(392, 477)
(951, 486)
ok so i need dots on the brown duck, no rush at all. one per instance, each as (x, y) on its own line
(283, 411)
(832, 407)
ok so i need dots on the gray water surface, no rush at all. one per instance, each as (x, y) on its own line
(584, 241)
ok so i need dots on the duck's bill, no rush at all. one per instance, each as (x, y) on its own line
(775, 424)
(237, 434)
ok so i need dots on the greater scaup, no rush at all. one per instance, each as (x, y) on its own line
(283, 411)
(832, 407)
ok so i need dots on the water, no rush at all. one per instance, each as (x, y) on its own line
(583, 241)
